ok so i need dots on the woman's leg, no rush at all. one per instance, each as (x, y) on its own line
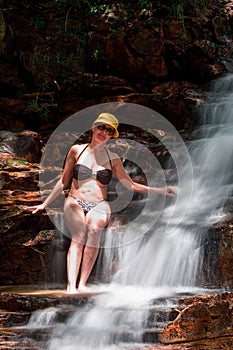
(96, 219)
(90, 254)
(75, 222)
(74, 258)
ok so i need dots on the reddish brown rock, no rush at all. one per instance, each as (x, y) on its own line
(144, 62)
(224, 261)
(25, 145)
(206, 317)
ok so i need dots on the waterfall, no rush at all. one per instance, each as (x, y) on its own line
(175, 259)
(42, 319)
(212, 150)
(168, 259)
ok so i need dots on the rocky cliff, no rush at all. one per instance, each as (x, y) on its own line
(58, 58)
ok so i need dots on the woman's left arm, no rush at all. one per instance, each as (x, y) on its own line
(121, 175)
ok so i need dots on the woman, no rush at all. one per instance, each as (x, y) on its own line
(86, 211)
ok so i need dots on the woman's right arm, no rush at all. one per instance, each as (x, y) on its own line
(61, 184)
(58, 188)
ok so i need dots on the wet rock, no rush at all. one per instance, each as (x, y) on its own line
(27, 299)
(223, 232)
(196, 319)
(14, 179)
(24, 145)
(205, 317)
(121, 57)
(13, 318)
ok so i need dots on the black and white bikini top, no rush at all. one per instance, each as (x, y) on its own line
(82, 172)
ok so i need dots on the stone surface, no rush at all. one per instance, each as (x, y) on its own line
(204, 318)
(201, 322)
(163, 64)
(31, 241)
(109, 58)
(224, 232)
(25, 145)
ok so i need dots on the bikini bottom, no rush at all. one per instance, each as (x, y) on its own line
(85, 206)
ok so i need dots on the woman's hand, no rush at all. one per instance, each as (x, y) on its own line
(56, 191)
(38, 208)
(169, 191)
(35, 208)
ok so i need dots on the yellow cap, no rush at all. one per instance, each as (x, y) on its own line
(110, 119)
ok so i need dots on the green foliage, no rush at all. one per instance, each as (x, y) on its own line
(39, 22)
(8, 8)
(87, 7)
(11, 162)
(36, 106)
(112, 32)
(177, 10)
(97, 55)
(71, 48)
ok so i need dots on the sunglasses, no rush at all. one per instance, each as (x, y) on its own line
(109, 131)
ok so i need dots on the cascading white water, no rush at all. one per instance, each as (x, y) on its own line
(42, 319)
(176, 258)
(212, 151)
(167, 259)
(163, 260)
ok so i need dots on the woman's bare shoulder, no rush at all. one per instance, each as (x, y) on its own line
(75, 151)
(77, 148)
(113, 156)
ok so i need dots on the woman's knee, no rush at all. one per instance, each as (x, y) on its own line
(93, 236)
(79, 238)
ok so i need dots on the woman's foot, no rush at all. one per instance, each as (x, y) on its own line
(72, 290)
(83, 288)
